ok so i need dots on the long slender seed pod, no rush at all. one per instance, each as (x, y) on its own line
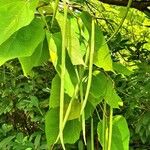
(104, 127)
(110, 128)
(68, 111)
(83, 115)
(70, 104)
(92, 47)
(77, 89)
(62, 75)
(92, 134)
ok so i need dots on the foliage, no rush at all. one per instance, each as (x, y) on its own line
(94, 75)
(24, 102)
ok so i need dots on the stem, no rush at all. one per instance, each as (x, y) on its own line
(92, 134)
(55, 11)
(99, 118)
(44, 20)
(110, 128)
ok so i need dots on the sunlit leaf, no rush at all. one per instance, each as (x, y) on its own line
(102, 57)
(120, 134)
(15, 14)
(54, 41)
(23, 42)
(74, 47)
(75, 110)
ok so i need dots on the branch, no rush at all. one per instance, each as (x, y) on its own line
(141, 5)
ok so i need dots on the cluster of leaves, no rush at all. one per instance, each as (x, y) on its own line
(84, 65)
(23, 104)
(134, 89)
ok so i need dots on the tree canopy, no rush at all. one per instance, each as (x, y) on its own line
(141, 5)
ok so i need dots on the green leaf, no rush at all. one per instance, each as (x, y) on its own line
(99, 79)
(6, 141)
(55, 97)
(23, 42)
(102, 57)
(52, 125)
(75, 110)
(69, 86)
(28, 63)
(75, 51)
(37, 141)
(15, 14)
(89, 109)
(119, 68)
(111, 97)
(80, 145)
(40, 55)
(34, 101)
(120, 133)
(94, 101)
(55, 92)
(71, 131)
(54, 42)
(74, 47)
(87, 20)
(104, 89)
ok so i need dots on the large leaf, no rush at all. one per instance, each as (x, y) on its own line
(54, 44)
(39, 56)
(74, 48)
(120, 134)
(104, 89)
(94, 101)
(111, 97)
(87, 20)
(75, 110)
(23, 42)
(99, 79)
(52, 125)
(55, 97)
(55, 93)
(54, 41)
(102, 57)
(15, 14)
(119, 68)
(71, 131)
